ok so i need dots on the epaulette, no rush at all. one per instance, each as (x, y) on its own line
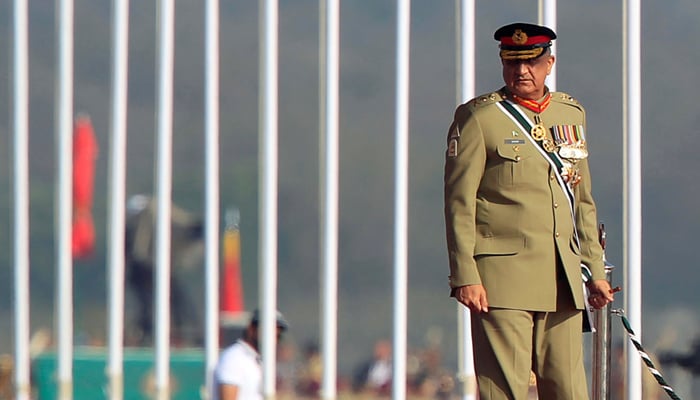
(485, 99)
(565, 98)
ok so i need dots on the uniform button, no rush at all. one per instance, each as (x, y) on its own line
(556, 205)
(556, 234)
(517, 158)
(551, 177)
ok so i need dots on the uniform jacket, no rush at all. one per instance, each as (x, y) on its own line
(507, 217)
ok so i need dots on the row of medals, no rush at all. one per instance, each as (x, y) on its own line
(570, 154)
(573, 152)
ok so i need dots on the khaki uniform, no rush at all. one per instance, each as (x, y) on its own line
(509, 222)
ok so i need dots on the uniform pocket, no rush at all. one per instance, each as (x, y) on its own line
(512, 159)
(495, 245)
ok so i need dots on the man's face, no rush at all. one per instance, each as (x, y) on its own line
(525, 78)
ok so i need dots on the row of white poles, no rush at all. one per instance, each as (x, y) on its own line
(329, 60)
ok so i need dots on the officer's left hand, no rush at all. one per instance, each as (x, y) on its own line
(601, 293)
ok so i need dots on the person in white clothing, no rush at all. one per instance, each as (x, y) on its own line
(238, 373)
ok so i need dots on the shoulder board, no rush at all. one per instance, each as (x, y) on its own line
(564, 98)
(485, 99)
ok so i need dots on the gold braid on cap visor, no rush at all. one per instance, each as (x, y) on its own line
(521, 54)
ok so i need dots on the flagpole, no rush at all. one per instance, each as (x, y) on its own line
(117, 198)
(211, 177)
(466, 60)
(632, 187)
(166, 22)
(64, 138)
(269, 114)
(547, 16)
(403, 30)
(328, 135)
(20, 83)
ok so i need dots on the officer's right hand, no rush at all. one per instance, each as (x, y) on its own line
(474, 297)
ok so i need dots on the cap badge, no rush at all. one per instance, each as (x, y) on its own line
(519, 37)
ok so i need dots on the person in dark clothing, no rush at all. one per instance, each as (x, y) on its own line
(186, 244)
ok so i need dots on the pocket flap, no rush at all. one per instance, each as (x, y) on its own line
(509, 152)
(498, 245)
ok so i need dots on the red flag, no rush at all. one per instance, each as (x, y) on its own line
(85, 151)
(232, 296)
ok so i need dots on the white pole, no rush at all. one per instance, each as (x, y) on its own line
(64, 138)
(633, 188)
(329, 94)
(166, 18)
(401, 199)
(269, 15)
(548, 17)
(211, 176)
(20, 84)
(117, 197)
(466, 60)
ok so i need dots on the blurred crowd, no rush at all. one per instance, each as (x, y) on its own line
(300, 371)
(299, 374)
(6, 383)
(426, 376)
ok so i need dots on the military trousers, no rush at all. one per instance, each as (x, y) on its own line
(509, 344)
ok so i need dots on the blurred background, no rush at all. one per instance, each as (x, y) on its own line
(589, 62)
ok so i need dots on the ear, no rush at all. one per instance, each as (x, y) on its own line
(550, 64)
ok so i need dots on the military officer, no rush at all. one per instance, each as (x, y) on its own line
(520, 222)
